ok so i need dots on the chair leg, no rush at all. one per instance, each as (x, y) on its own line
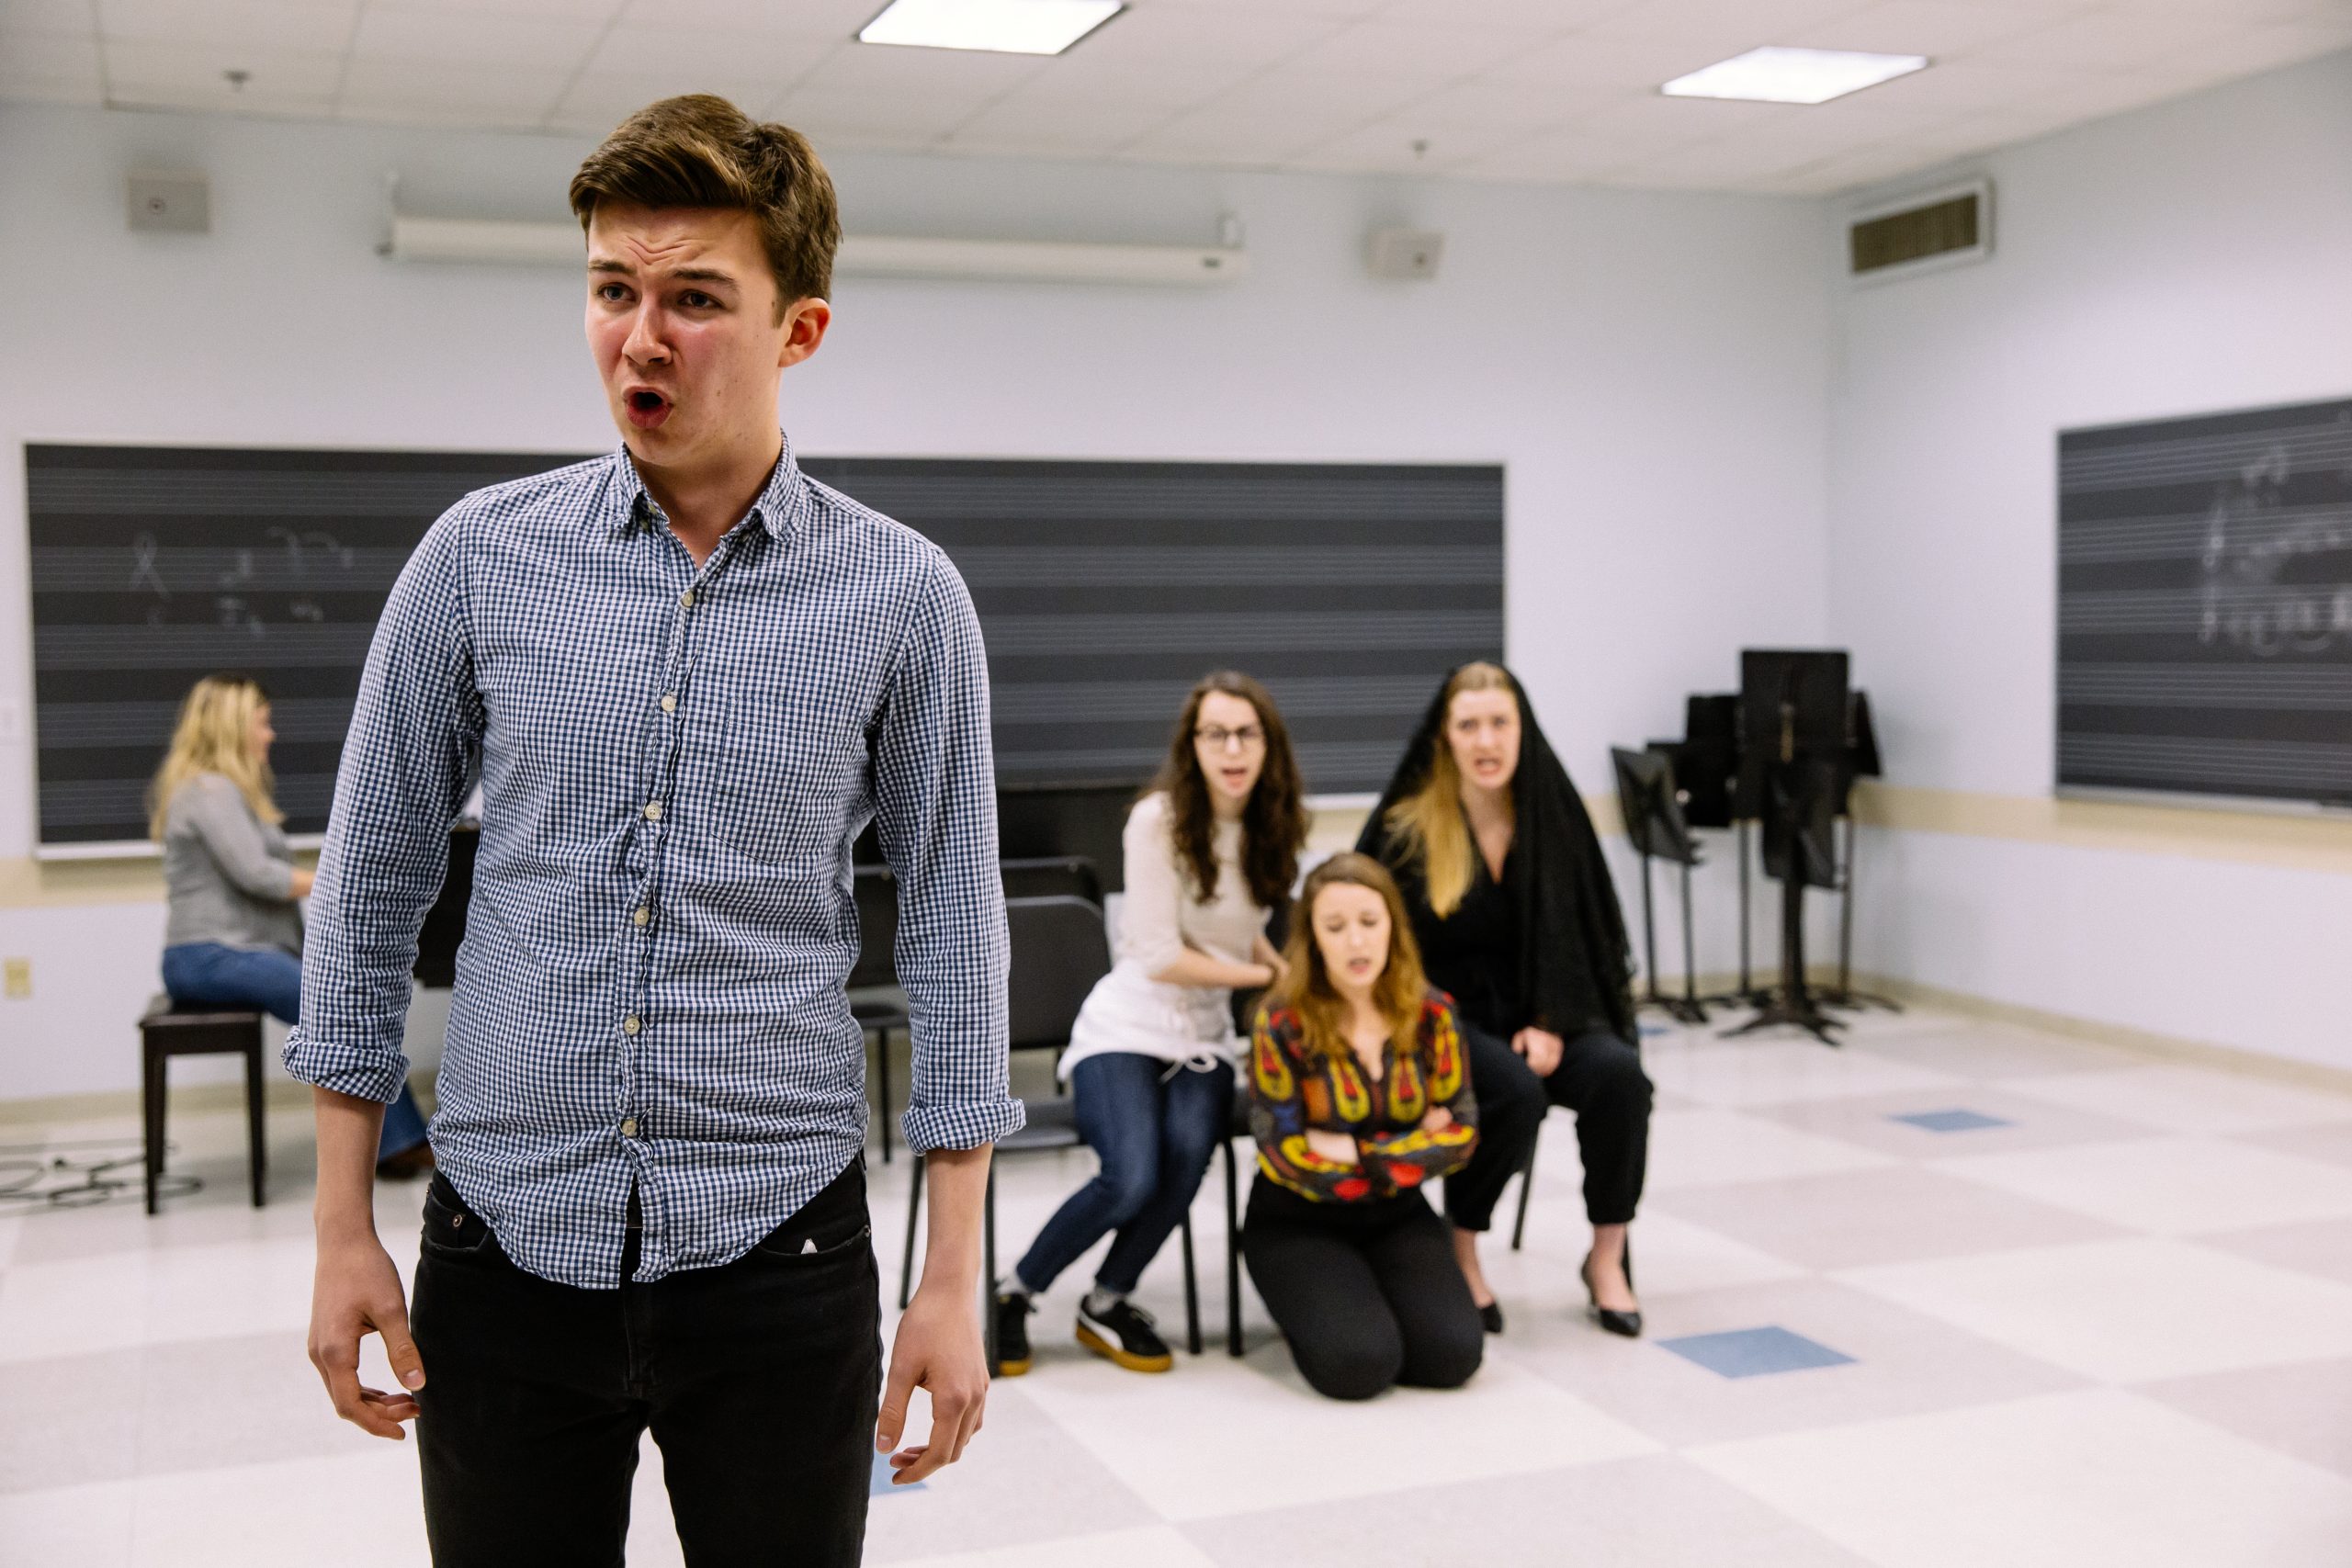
(915, 1219)
(988, 1271)
(1232, 1254)
(152, 1083)
(1191, 1293)
(1526, 1185)
(256, 1133)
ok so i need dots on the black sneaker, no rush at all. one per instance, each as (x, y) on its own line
(1012, 1311)
(1124, 1333)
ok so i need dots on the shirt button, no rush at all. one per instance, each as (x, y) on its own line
(653, 811)
(629, 1127)
(640, 914)
(687, 599)
(632, 1024)
(669, 703)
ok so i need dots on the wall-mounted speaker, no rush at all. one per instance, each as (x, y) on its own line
(1405, 254)
(169, 204)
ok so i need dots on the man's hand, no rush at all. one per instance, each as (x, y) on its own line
(938, 1348)
(356, 1291)
(1542, 1048)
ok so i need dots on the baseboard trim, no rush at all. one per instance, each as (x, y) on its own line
(276, 1094)
(2097, 1031)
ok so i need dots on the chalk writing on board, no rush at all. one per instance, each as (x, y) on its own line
(2254, 542)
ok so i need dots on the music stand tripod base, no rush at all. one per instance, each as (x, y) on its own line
(1801, 1015)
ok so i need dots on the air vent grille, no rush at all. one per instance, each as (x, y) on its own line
(1938, 229)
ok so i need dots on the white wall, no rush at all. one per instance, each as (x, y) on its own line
(1651, 368)
(2192, 258)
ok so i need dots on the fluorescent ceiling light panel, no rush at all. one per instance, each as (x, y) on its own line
(1006, 26)
(1776, 75)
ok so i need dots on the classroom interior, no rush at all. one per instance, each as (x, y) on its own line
(2049, 1262)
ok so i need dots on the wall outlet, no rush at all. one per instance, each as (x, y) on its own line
(17, 979)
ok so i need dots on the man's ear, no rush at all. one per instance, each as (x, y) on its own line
(804, 323)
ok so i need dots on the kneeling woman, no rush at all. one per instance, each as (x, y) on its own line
(1359, 1094)
(1209, 852)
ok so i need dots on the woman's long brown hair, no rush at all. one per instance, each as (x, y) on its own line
(1309, 992)
(1273, 823)
(1427, 822)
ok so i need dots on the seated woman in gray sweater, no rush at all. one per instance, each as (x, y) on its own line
(233, 935)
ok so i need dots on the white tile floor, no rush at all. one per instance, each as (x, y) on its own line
(2116, 1329)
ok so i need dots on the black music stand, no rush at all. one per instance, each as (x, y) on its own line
(1792, 730)
(1645, 797)
(1862, 762)
(1706, 767)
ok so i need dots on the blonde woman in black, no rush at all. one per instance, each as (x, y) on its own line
(1518, 921)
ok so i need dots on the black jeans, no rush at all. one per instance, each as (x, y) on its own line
(1599, 1077)
(759, 1379)
(1368, 1294)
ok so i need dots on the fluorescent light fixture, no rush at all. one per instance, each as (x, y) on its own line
(1774, 75)
(1006, 26)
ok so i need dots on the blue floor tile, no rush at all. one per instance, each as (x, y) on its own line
(1754, 1352)
(1951, 1121)
(879, 1483)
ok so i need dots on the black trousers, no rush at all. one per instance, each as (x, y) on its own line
(1599, 1077)
(759, 1379)
(1368, 1294)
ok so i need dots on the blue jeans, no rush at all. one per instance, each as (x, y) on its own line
(1154, 1134)
(206, 974)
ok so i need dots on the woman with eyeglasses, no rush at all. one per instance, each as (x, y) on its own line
(1210, 851)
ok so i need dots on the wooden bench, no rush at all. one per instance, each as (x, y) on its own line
(166, 1032)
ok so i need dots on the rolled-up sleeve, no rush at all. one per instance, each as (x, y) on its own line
(936, 813)
(403, 774)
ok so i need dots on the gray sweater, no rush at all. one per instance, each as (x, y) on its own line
(226, 872)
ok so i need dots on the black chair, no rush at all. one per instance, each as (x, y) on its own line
(1045, 875)
(1059, 950)
(875, 998)
(1051, 1124)
(165, 1032)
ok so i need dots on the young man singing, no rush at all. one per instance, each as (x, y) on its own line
(691, 675)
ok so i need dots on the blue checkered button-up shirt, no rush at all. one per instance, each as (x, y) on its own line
(674, 762)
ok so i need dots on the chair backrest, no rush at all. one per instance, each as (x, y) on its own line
(1045, 875)
(877, 928)
(1059, 950)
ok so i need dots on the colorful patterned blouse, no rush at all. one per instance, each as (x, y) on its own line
(1294, 1089)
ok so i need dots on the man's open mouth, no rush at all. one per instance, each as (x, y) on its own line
(647, 407)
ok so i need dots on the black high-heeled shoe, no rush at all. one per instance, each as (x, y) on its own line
(1628, 1324)
(1491, 1317)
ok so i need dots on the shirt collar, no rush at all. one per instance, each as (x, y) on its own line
(780, 506)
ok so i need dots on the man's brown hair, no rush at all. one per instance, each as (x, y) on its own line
(701, 150)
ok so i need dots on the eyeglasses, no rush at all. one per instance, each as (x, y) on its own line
(1218, 738)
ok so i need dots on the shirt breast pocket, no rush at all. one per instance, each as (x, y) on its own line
(790, 761)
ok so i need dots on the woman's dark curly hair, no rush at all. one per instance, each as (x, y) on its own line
(1274, 824)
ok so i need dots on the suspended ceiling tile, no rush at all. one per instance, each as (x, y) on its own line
(1420, 52)
(779, 59)
(201, 70)
(322, 27)
(596, 101)
(1934, 27)
(47, 67)
(487, 42)
(2113, 40)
